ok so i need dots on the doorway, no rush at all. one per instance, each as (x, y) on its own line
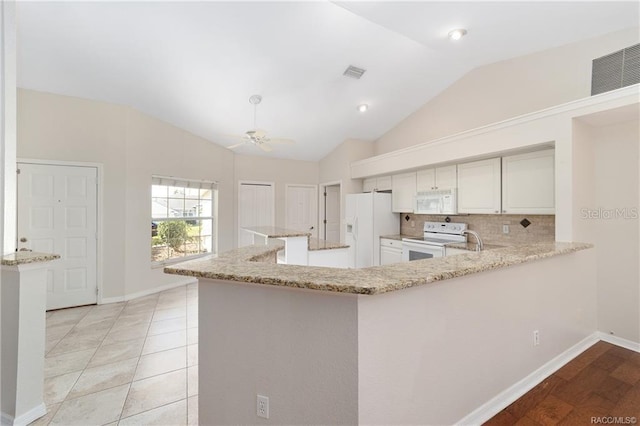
(58, 213)
(256, 206)
(302, 208)
(330, 211)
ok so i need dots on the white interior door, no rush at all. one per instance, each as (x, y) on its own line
(302, 208)
(57, 213)
(255, 208)
(332, 213)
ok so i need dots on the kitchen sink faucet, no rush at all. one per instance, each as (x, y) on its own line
(480, 245)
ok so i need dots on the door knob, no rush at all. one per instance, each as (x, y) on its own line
(23, 240)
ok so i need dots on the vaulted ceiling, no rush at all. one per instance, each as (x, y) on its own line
(195, 64)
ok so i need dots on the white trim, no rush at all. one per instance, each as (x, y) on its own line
(99, 210)
(286, 204)
(179, 283)
(237, 196)
(498, 403)
(619, 341)
(26, 418)
(321, 218)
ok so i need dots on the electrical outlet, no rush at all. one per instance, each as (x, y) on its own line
(262, 406)
(505, 229)
(413, 223)
(536, 338)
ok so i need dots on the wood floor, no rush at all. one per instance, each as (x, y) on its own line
(601, 383)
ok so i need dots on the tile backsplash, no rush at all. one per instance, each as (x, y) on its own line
(489, 226)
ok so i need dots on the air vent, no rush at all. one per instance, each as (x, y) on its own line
(616, 70)
(354, 72)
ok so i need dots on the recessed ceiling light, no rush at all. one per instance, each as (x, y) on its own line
(363, 107)
(457, 34)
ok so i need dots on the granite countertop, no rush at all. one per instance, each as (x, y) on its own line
(24, 257)
(318, 244)
(398, 237)
(275, 232)
(237, 265)
(472, 246)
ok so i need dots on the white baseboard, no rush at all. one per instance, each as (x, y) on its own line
(178, 283)
(512, 393)
(619, 341)
(26, 418)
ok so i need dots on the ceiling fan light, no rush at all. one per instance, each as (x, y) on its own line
(363, 107)
(457, 34)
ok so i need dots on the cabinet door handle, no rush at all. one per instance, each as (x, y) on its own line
(497, 211)
(504, 211)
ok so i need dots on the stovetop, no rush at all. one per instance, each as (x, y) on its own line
(441, 233)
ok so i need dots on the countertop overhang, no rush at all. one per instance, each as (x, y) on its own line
(241, 265)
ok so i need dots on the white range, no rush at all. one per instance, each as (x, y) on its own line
(432, 244)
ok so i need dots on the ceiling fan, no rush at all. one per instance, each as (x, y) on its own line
(257, 136)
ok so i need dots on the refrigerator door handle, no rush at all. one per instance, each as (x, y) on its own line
(355, 229)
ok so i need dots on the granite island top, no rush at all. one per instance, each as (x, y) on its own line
(24, 257)
(319, 244)
(314, 243)
(275, 232)
(240, 265)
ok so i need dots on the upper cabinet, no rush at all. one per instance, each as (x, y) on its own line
(403, 191)
(378, 184)
(437, 178)
(528, 183)
(479, 187)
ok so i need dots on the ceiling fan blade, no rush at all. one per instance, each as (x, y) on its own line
(266, 148)
(282, 141)
(236, 145)
(259, 133)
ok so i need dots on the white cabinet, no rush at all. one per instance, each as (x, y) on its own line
(390, 251)
(378, 184)
(528, 183)
(479, 187)
(436, 178)
(403, 191)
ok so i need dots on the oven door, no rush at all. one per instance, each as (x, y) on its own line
(417, 251)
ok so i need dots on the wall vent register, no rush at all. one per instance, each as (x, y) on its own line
(616, 70)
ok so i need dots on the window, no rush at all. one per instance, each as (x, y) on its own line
(183, 221)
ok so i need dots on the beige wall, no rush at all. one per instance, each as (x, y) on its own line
(336, 167)
(506, 89)
(61, 128)
(611, 154)
(156, 148)
(131, 147)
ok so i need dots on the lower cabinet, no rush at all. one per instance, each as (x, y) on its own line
(390, 251)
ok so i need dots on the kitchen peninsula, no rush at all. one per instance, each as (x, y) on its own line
(388, 344)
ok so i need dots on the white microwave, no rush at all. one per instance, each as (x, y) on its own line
(443, 201)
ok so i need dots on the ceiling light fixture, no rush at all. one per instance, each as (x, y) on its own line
(457, 34)
(363, 107)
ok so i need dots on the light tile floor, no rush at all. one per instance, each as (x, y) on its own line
(133, 363)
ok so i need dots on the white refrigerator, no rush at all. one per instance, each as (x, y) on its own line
(367, 217)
